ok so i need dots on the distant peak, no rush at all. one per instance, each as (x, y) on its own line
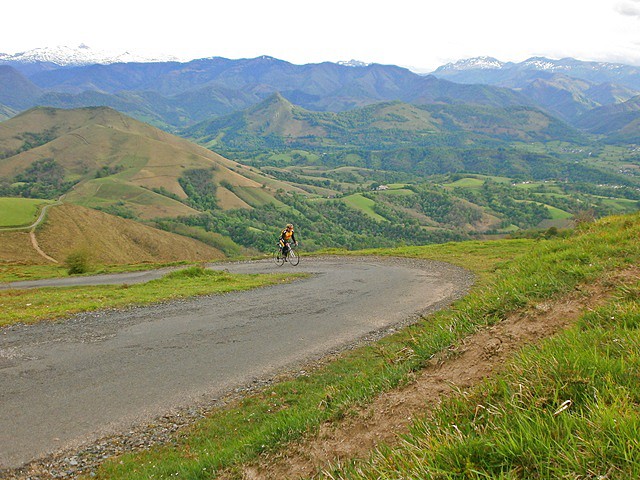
(275, 100)
(541, 63)
(475, 63)
(276, 97)
(353, 63)
(64, 56)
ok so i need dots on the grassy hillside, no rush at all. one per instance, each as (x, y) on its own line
(101, 159)
(519, 424)
(108, 240)
(111, 161)
(278, 123)
(16, 248)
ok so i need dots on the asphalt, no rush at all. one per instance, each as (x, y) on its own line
(68, 383)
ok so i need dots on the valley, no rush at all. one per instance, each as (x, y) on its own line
(428, 174)
(525, 176)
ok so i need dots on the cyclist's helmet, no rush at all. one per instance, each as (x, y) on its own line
(289, 225)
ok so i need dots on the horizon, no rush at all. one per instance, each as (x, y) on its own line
(171, 58)
(420, 37)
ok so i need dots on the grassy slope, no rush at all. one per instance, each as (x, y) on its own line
(363, 204)
(565, 409)
(515, 275)
(143, 157)
(16, 248)
(109, 239)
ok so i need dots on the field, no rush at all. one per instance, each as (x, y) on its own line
(363, 204)
(104, 192)
(19, 212)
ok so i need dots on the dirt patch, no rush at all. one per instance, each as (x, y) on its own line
(461, 367)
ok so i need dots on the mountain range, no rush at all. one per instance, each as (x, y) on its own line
(490, 71)
(277, 123)
(48, 58)
(174, 95)
(180, 94)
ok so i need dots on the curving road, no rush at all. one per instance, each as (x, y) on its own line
(68, 383)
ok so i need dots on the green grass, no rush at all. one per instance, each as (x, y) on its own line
(18, 273)
(19, 212)
(621, 205)
(565, 409)
(466, 183)
(515, 275)
(256, 197)
(476, 181)
(484, 258)
(397, 191)
(102, 192)
(558, 214)
(363, 204)
(33, 305)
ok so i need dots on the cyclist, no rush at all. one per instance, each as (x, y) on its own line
(286, 237)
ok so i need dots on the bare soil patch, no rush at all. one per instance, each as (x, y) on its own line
(461, 367)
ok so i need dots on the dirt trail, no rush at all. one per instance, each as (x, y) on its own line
(476, 358)
(34, 243)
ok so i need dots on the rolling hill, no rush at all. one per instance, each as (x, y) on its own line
(109, 239)
(99, 158)
(114, 161)
(620, 123)
(276, 122)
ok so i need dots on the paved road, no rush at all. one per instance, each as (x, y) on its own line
(67, 383)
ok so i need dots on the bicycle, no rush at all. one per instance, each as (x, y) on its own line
(286, 254)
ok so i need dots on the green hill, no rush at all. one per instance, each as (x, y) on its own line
(100, 158)
(277, 123)
(103, 159)
(620, 123)
(108, 240)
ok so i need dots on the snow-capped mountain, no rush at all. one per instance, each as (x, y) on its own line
(353, 63)
(542, 63)
(490, 71)
(476, 63)
(64, 56)
(534, 63)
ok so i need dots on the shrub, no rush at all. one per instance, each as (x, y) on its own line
(78, 262)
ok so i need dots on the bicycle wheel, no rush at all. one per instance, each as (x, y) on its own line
(278, 258)
(293, 257)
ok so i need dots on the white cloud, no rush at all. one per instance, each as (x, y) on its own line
(630, 8)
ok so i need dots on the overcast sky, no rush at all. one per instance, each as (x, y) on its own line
(418, 34)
